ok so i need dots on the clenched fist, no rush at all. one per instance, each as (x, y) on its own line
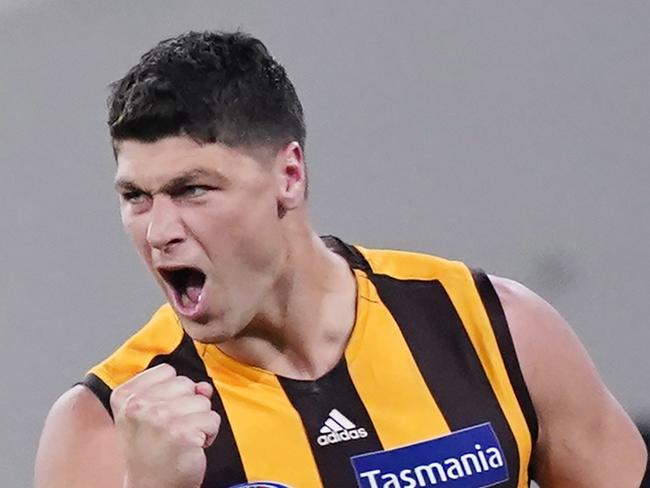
(164, 422)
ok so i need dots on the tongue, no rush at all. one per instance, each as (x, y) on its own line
(193, 292)
(190, 296)
(191, 289)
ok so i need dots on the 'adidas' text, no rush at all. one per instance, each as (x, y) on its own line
(339, 428)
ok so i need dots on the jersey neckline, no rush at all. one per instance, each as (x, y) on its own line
(261, 375)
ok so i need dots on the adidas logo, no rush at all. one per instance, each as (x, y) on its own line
(338, 428)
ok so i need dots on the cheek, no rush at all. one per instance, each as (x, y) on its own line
(260, 235)
(258, 223)
(243, 215)
(244, 229)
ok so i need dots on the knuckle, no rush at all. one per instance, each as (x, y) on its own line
(204, 403)
(116, 400)
(166, 367)
(214, 418)
(159, 415)
(119, 396)
(185, 382)
(132, 407)
(194, 437)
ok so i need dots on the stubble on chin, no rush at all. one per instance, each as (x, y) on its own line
(206, 331)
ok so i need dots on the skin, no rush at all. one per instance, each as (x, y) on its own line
(585, 437)
(263, 276)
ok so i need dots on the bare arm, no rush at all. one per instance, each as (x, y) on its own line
(163, 422)
(585, 437)
(78, 446)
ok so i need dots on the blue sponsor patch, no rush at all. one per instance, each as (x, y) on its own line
(261, 484)
(468, 458)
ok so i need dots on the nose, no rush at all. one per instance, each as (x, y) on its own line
(165, 229)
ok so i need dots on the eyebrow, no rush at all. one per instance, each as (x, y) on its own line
(185, 178)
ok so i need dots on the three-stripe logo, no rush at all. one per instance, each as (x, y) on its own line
(338, 428)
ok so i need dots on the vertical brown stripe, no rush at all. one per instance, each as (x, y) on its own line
(499, 323)
(101, 390)
(466, 300)
(387, 377)
(328, 403)
(224, 466)
(447, 359)
(269, 432)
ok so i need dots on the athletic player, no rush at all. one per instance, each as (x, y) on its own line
(285, 359)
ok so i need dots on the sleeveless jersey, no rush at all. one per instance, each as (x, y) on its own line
(428, 392)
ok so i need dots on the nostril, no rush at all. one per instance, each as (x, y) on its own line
(163, 236)
(167, 247)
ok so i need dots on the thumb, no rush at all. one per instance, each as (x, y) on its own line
(204, 388)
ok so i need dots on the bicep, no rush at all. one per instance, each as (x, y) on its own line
(585, 437)
(78, 446)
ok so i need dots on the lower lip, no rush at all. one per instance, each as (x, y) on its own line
(195, 311)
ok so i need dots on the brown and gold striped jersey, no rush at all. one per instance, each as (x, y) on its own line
(430, 355)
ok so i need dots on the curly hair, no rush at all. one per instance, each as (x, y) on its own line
(210, 86)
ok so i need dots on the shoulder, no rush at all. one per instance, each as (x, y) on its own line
(78, 404)
(409, 265)
(545, 344)
(75, 408)
(153, 343)
(78, 444)
(550, 353)
(160, 336)
(585, 436)
(536, 327)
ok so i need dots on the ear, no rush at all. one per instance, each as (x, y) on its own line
(291, 176)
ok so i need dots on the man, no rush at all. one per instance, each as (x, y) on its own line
(284, 359)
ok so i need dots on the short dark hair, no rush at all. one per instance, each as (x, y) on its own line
(210, 86)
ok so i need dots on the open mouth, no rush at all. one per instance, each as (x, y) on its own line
(187, 285)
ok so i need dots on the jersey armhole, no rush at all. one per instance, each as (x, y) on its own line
(100, 389)
(506, 345)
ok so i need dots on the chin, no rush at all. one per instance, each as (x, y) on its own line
(211, 332)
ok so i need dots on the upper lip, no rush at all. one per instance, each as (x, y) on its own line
(164, 271)
(161, 268)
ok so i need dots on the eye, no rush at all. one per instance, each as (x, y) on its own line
(193, 191)
(134, 197)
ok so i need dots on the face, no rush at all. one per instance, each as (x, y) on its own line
(205, 220)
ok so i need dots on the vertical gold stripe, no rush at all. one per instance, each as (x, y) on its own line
(388, 380)
(458, 282)
(268, 431)
(470, 308)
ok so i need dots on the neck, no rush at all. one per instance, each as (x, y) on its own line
(305, 323)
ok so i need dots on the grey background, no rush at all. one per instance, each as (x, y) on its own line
(512, 135)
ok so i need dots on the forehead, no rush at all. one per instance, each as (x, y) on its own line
(154, 163)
